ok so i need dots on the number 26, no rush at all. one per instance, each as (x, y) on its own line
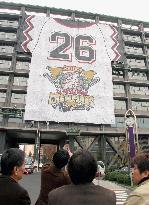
(83, 53)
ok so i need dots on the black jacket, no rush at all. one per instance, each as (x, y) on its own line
(11, 193)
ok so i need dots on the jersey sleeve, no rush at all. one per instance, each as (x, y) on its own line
(33, 32)
(109, 34)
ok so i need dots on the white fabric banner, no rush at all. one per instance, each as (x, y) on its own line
(70, 76)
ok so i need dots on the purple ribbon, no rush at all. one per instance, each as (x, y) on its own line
(132, 147)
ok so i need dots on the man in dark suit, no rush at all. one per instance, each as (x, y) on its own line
(82, 169)
(12, 168)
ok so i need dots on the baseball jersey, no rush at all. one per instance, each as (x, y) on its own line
(70, 76)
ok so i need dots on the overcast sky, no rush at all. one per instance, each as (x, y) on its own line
(134, 9)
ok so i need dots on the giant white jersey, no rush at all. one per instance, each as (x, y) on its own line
(70, 76)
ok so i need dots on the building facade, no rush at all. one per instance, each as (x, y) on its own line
(130, 86)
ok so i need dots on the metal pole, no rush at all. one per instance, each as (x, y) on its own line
(37, 149)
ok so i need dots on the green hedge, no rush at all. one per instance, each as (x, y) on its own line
(122, 178)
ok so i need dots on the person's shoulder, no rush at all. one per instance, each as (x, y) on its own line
(46, 168)
(19, 189)
(98, 187)
(105, 191)
(23, 192)
(63, 188)
(13, 185)
(23, 196)
(8, 181)
(141, 190)
(60, 190)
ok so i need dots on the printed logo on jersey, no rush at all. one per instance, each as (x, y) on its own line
(72, 84)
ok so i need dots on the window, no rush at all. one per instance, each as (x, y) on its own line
(119, 122)
(1, 117)
(26, 65)
(18, 98)
(137, 75)
(2, 61)
(134, 50)
(117, 74)
(12, 23)
(6, 49)
(147, 39)
(139, 90)
(120, 105)
(10, 36)
(4, 80)
(131, 62)
(135, 63)
(143, 122)
(22, 65)
(118, 89)
(141, 106)
(2, 49)
(140, 63)
(131, 38)
(2, 97)
(2, 22)
(15, 120)
(5, 64)
(2, 35)
(20, 81)
(135, 38)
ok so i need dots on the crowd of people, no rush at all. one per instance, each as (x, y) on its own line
(74, 186)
